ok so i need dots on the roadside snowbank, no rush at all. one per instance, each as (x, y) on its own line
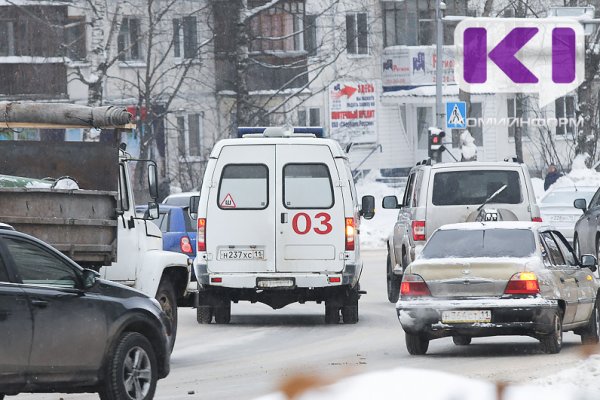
(580, 175)
(579, 383)
(374, 232)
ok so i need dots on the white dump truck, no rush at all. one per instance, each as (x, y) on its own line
(88, 213)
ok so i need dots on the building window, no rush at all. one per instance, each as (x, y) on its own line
(189, 136)
(129, 40)
(185, 37)
(310, 35)
(310, 117)
(7, 33)
(412, 23)
(515, 113)
(75, 38)
(357, 34)
(564, 107)
(279, 28)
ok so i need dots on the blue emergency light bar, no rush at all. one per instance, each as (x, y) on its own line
(317, 131)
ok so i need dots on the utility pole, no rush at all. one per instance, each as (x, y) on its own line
(439, 31)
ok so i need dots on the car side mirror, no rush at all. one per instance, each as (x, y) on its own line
(153, 211)
(589, 261)
(367, 210)
(580, 204)
(89, 278)
(153, 181)
(390, 202)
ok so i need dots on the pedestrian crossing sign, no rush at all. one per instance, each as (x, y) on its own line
(456, 115)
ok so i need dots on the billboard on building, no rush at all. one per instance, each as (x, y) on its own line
(405, 67)
(352, 107)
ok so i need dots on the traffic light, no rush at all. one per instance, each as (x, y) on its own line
(436, 146)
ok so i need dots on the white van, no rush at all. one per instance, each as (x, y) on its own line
(278, 220)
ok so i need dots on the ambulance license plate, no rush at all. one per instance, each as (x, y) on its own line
(241, 254)
(466, 316)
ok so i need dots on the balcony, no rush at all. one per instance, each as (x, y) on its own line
(22, 79)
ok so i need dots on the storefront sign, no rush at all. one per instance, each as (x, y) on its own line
(405, 67)
(352, 107)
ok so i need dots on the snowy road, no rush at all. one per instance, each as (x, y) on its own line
(249, 357)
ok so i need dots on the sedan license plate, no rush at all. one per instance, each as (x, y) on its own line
(466, 316)
(241, 254)
(562, 218)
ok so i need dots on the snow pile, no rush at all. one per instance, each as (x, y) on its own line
(468, 148)
(580, 175)
(374, 232)
(579, 383)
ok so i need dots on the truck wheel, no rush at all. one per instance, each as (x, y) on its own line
(223, 312)
(204, 314)
(132, 370)
(332, 314)
(416, 344)
(591, 333)
(166, 297)
(552, 343)
(393, 283)
(461, 340)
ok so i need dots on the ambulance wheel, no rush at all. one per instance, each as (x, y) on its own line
(350, 307)
(223, 312)
(204, 314)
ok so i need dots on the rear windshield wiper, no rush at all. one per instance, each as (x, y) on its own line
(492, 197)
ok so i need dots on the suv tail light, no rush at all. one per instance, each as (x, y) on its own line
(413, 285)
(201, 234)
(418, 230)
(185, 245)
(536, 219)
(349, 234)
(523, 283)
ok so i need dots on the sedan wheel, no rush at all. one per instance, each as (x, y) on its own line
(552, 343)
(591, 334)
(132, 371)
(416, 345)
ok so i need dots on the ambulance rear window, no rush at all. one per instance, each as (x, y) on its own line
(307, 186)
(244, 187)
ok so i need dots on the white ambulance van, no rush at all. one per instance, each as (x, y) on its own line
(278, 223)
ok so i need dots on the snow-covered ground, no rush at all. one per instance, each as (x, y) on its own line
(579, 383)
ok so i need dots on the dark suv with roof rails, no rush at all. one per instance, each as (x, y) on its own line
(66, 330)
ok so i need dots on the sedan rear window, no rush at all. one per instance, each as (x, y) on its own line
(567, 198)
(480, 243)
(474, 187)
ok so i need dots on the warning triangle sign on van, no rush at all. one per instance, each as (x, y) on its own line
(228, 202)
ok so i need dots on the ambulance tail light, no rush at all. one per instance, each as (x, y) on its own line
(201, 234)
(349, 234)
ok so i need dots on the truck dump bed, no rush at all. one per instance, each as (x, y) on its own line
(80, 223)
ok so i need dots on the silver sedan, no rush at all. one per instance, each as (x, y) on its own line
(556, 207)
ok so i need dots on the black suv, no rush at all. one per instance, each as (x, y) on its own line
(62, 329)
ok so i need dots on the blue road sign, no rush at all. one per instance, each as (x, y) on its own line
(456, 115)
